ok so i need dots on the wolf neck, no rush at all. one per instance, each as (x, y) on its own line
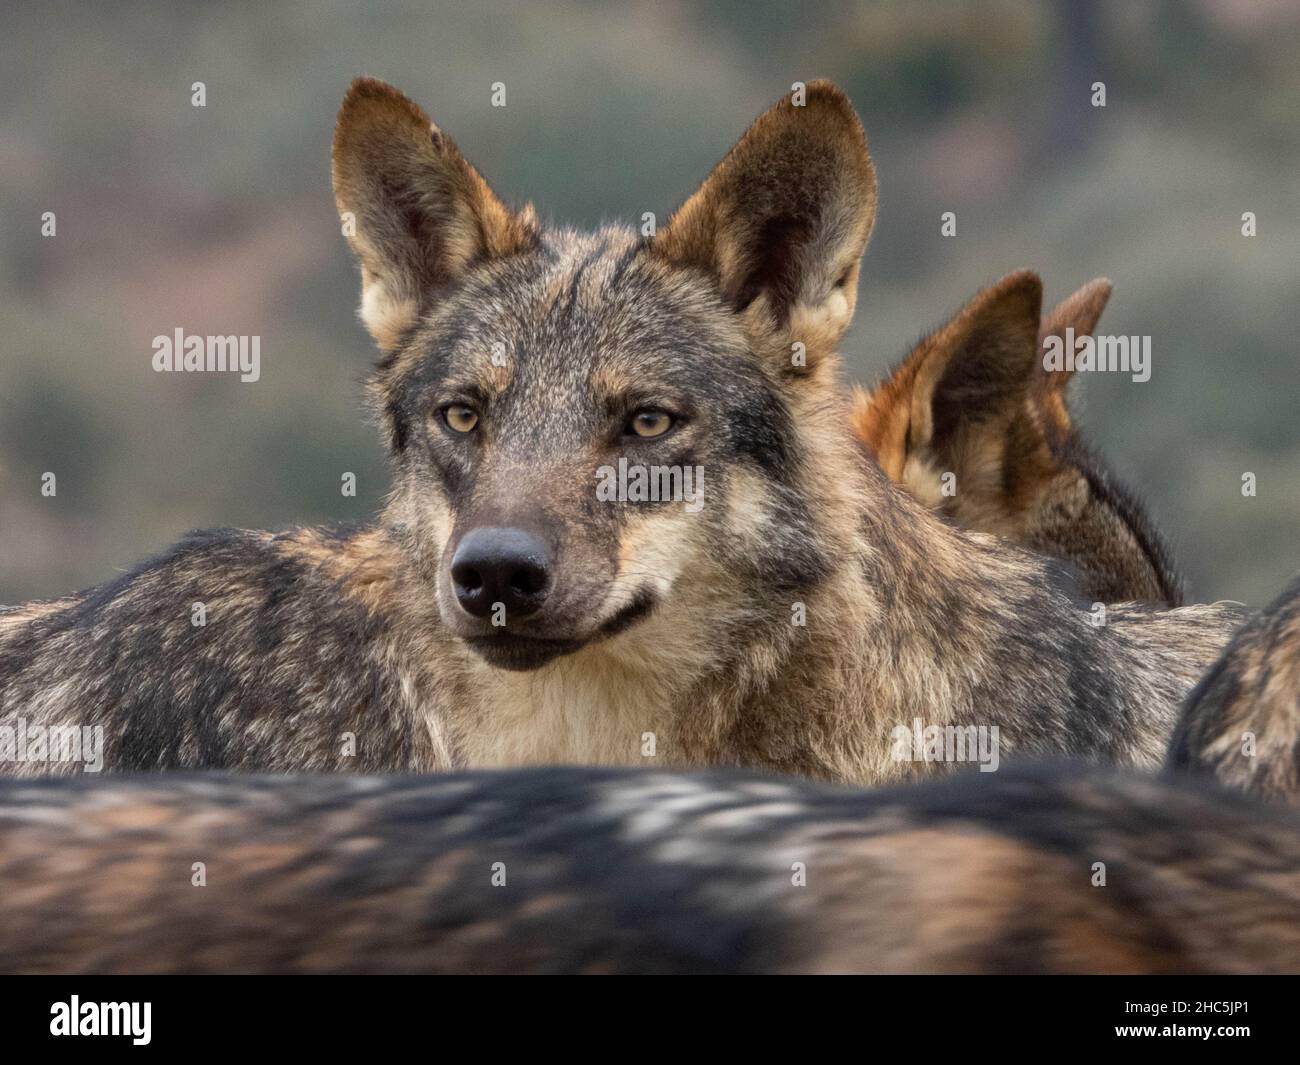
(900, 633)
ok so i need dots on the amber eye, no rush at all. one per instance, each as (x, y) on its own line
(460, 418)
(650, 423)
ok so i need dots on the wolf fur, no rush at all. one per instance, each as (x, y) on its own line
(1241, 724)
(625, 871)
(809, 610)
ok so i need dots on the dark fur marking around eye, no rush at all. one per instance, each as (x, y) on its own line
(399, 431)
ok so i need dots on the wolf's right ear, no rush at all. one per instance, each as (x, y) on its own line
(951, 400)
(782, 221)
(1079, 311)
(414, 210)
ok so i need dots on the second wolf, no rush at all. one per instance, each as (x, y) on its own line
(507, 610)
(972, 402)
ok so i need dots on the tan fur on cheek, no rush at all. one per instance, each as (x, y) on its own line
(423, 509)
(438, 520)
(653, 550)
(748, 508)
(386, 318)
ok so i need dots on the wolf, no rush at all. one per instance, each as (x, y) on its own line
(1241, 724)
(973, 400)
(498, 612)
(1036, 869)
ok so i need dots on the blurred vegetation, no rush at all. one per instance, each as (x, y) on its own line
(220, 219)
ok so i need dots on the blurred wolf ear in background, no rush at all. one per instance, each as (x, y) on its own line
(973, 402)
(1241, 724)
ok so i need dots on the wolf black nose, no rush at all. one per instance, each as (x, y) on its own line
(508, 566)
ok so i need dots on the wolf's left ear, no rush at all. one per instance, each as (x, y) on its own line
(415, 211)
(782, 221)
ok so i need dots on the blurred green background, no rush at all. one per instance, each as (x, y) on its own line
(220, 219)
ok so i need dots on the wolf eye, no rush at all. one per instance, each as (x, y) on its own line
(460, 418)
(650, 423)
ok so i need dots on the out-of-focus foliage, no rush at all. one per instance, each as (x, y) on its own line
(220, 219)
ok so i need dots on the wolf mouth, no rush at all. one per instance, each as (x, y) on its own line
(521, 653)
(641, 606)
(510, 650)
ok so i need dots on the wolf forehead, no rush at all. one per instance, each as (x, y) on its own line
(580, 326)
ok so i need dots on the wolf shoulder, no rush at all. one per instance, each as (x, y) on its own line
(231, 649)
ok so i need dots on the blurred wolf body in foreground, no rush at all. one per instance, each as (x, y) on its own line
(501, 612)
(629, 871)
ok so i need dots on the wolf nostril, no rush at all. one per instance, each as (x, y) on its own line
(528, 581)
(501, 565)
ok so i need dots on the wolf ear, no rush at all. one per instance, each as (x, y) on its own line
(415, 212)
(783, 219)
(1079, 311)
(975, 371)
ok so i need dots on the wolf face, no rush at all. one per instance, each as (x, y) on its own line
(973, 405)
(583, 422)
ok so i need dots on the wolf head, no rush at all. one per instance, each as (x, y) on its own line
(585, 426)
(974, 402)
